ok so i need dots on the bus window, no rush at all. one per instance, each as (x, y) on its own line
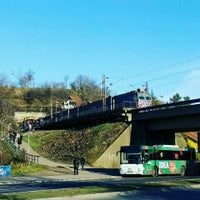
(123, 158)
(176, 155)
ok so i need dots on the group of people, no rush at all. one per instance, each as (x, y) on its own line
(15, 137)
(76, 162)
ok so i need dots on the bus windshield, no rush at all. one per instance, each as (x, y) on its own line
(134, 158)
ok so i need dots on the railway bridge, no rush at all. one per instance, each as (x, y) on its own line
(150, 125)
(146, 126)
(158, 124)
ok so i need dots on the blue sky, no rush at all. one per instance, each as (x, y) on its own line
(130, 41)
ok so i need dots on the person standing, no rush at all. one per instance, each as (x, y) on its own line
(76, 166)
(82, 161)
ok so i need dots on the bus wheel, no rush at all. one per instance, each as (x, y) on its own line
(155, 172)
(182, 172)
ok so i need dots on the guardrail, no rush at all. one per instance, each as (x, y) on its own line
(168, 106)
(28, 157)
(32, 158)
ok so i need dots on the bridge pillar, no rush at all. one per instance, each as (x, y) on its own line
(198, 141)
(138, 135)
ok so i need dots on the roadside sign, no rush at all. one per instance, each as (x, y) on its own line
(5, 170)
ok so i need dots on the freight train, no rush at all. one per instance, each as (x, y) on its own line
(131, 100)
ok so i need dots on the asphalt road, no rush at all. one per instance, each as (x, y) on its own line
(28, 184)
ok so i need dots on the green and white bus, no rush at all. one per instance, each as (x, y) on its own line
(157, 160)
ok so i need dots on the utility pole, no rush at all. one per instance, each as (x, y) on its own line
(51, 108)
(103, 91)
(146, 87)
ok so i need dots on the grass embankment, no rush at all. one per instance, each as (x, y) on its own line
(63, 145)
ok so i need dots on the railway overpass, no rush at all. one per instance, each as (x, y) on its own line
(158, 124)
(151, 125)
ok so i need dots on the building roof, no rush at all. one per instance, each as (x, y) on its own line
(192, 135)
(75, 99)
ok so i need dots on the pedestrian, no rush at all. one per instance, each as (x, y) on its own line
(76, 166)
(82, 161)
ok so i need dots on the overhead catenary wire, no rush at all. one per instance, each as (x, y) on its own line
(170, 75)
(158, 78)
(165, 67)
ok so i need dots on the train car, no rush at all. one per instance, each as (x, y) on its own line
(143, 100)
(133, 99)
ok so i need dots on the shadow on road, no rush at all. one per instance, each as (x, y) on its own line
(111, 172)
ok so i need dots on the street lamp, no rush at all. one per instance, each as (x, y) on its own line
(29, 131)
(104, 91)
(56, 109)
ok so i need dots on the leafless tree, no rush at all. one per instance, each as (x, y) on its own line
(4, 80)
(26, 80)
(86, 88)
(6, 106)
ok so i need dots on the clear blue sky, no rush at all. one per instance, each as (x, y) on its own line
(130, 41)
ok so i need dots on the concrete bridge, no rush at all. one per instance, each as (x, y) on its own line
(146, 126)
(155, 125)
(158, 124)
(151, 125)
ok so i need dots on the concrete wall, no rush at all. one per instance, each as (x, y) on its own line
(20, 116)
(110, 158)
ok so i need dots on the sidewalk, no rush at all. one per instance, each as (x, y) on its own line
(88, 173)
(42, 160)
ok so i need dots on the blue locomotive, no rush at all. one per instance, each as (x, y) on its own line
(131, 100)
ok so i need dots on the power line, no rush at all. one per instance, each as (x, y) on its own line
(171, 75)
(177, 81)
(159, 69)
(166, 67)
(162, 68)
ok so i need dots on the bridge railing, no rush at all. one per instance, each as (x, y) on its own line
(169, 105)
(28, 157)
(32, 158)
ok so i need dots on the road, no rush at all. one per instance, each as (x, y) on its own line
(100, 177)
(28, 184)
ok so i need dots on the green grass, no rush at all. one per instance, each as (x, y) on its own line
(92, 190)
(55, 193)
(22, 169)
(62, 145)
(39, 138)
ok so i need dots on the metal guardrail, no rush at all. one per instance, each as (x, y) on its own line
(168, 106)
(32, 158)
(28, 157)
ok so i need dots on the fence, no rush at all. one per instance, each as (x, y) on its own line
(28, 157)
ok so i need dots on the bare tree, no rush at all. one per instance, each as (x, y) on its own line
(86, 88)
(4, 81)
(6, 106)
(66, 78)
(26, 80)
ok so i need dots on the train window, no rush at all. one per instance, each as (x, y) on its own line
(148, 98)
(141, 97)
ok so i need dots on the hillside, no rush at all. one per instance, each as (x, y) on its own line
(63, 145)
(34, 99)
